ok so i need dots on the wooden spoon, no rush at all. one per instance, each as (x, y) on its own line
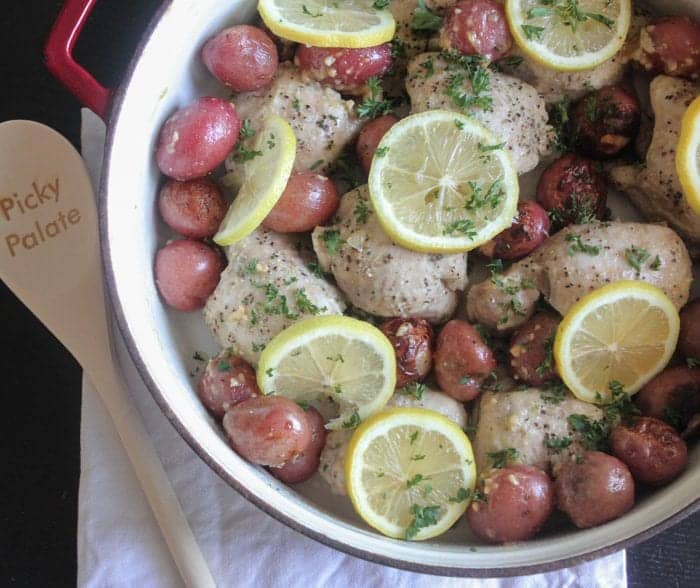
(50, 259)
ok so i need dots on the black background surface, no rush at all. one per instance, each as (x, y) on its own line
(40, 386)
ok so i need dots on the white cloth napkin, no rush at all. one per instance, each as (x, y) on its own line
(119, 543)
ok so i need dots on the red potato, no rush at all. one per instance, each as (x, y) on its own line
(530, 350)
(518, 501)
(194, 208)
(598, 489)
(476, 27)
(529, 230)
(606, 121)
(651, 449)
(572, 191)
(689, 338)
(309, 200)
(462, 360)
(226, 381)
(412, 340)
(187, 272)
(343, 69)
(268, 430)
(671, 45)
(305, 465)
(243, 57)
(673, 395)
(196, 139)
(370, 136)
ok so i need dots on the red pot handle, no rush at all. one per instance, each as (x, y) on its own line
(58, 53)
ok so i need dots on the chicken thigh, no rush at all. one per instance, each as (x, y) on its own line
(322, 121)
(383, 278)
(516, 112)
(526, 420)
(265, 288)
(654, 187)
(577, 260)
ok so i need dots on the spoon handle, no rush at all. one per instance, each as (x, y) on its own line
(152, 477)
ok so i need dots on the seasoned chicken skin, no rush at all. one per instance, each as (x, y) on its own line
(322, 121)
(332, 467)
(655, 188)
(526, 420)
(383, 278)
(577, 260)
(265, 288)
(517, 115)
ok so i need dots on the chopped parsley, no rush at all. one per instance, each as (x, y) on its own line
(578, 246)
(315, 268)
(492, 198)
(337, 388)
(466, 101)
(305, 10)
(656, 264)
(270, 372)
(692, 362)
(295, 104)
(636, 256)
(304, 305)
(418, 457)
(223, 365)
(466, 494)
(337, 357)
(353, 421)
(381, 151)
(464, 226)
(554, 393)
(415, 389)
(241, 153)
(557, 444)
(509, 62)
(413, 436)
(548, 361)
(532, 32)
(303, 404)
(429, 67)
(197, 356)
(502, 457)
(316, 164)
(257, 347)
(620, 405)
(417, 479)
(559, 120)
(580, 211)
(373, 106)
(569, 13)
(424, 20)
(246, 131)
(380, 4)
(332, 240)
(594, 433)
(423, 516)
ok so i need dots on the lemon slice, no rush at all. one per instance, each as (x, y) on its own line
(329, 23)
(339, 358)
(442, 183)
(409, 472)
(688, 155)
(266, 175)
(624, 332)
(568, 35)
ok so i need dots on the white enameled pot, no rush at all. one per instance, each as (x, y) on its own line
(166, 74)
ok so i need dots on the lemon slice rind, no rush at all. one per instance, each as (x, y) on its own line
(266, 178)
(387, 425)
(540, 51)
(280, 363)
(350, 24)
(575, 343)
(409, 148)
(687, 155)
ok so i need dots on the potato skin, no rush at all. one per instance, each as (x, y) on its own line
(689, 338)
(226, 381)
(606, 121)
(671, 45)
(462, 360)
(572, 191)
(672, 395)
(529, 230)
(598, 489)
(412, 340)
(304, 465)
(519, 500)
(530, 350)
(651, 449)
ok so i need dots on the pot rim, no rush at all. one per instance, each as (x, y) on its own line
(130, 344)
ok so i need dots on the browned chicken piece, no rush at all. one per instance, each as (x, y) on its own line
(383, 278)
(534, 422)
(576, 261)
(654, 187)
(322, 121)
(516, 114)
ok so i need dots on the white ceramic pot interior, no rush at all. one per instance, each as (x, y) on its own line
(168, 75)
